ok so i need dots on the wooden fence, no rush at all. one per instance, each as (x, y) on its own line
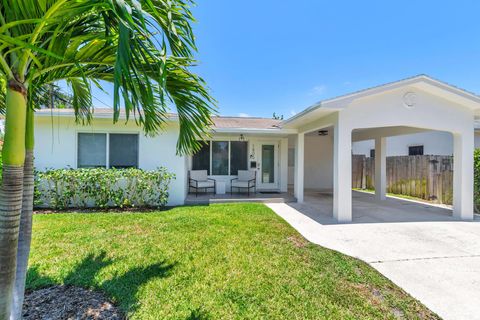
(425, 177)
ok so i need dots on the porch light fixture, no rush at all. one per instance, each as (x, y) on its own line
(241, 138)
(323, 133)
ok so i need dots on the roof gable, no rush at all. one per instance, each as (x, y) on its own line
(423, 82)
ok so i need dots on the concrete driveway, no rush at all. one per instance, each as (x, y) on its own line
(421, 248)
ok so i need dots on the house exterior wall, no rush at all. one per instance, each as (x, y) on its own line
(318, 162)
(434, 143)
(477, 139)
(56, 147)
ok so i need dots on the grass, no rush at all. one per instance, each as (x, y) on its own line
(225, 261)
(397, 195)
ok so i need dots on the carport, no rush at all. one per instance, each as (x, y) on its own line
(408, 106)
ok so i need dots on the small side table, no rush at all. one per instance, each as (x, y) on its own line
(220, 187)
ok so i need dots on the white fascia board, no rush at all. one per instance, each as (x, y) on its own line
(255, 131)
(44, 114)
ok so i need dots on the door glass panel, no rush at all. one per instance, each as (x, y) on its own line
(268, 163)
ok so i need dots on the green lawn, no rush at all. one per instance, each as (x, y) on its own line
(230, 261)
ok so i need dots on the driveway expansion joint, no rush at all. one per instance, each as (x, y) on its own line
(426, 258)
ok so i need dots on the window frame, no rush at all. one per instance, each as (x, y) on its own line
(107, 145)
(417, 146)
(211, 141)
(77, 134)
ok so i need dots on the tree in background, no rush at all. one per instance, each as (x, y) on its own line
(277, 116)
(53, 97)
(144, 47)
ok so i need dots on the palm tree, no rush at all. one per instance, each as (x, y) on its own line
(144, 47)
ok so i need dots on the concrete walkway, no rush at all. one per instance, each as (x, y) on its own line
(421, 248)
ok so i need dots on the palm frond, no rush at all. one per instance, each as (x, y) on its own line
(81, 100)
(144, 47)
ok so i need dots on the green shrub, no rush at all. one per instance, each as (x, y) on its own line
(476, 180)
(101, 188)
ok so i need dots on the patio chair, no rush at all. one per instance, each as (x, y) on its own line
(246, 179)
(198, 179)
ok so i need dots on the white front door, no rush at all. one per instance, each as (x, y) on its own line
(268, 168)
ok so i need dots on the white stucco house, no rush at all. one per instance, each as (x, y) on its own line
(311, 150)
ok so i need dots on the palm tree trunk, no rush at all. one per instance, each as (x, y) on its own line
(11, 192)
(25, 234)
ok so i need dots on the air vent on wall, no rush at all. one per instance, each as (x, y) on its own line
(323, 132)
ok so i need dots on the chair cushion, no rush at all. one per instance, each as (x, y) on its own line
(245, 175)
(199, 175)
(205, 184)
(240, 184)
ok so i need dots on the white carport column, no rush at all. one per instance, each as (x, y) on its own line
(342, 172)
(463, 145)
(299, 164)
(381, 168)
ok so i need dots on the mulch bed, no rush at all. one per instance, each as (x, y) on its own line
(68, 302)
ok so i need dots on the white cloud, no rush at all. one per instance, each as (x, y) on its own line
(293, 112)
(243, 115)
(318, 90)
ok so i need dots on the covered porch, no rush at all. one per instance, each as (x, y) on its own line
(256, 197)
(322, 146)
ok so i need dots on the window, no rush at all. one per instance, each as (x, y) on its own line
(372, 153)
(415, 151)
(92, 148)
(201, 159)
(123, 150)
(221, 157)
(238, 156)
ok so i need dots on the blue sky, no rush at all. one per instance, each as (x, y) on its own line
(267, 56)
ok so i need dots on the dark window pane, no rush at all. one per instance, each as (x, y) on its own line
(123, 150)
(268, 163)
(372, 153)
(220, 157)
(415, 151)
(201, 159)
(238, 156)
(92, 150)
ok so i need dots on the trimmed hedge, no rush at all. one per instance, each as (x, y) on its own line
(101, 188)
(476, 180)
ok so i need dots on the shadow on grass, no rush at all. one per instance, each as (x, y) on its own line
(122, 288)
(198, 314)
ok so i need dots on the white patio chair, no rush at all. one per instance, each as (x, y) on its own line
(246, 179)
(198, 179)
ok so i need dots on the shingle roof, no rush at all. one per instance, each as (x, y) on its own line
(245, 123)
(97, 112)
(219, 121)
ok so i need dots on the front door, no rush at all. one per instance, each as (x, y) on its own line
(268, 173)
